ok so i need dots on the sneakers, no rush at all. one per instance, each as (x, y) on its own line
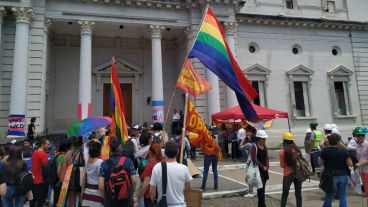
(249, 195)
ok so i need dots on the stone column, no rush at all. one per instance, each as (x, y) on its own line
(85, 73)
(18, 92)
(42, 120)
(230, 30)
(157, 81)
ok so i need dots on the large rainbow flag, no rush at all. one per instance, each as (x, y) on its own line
(211, 48)
(118, 126)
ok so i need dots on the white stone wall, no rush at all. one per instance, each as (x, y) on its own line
(302, 8)
(358, 10)
(275, 54)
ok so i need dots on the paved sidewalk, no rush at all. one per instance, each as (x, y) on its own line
(240, 201)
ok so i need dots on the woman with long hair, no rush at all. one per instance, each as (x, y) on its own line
(91, 195)
(14, 166)
(287, 157)
(154, 156)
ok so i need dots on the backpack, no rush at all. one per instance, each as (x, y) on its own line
(24, 183)
(49, 172)
(142, 165)
(118, 184)
(302, 169)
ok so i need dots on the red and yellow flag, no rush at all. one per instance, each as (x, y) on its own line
(118, 126)
(201, 136)
(190, 81)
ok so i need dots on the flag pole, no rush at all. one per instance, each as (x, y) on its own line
(183, 130)
(168, 110)
(186, 94)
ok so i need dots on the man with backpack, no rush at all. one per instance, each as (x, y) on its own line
(177, 177)
(40, 187)
(117, 178)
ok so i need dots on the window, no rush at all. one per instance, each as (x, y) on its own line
(299, 97)
(260, 99)
(289, 4)
(299, 87)
(259, 75)
(340, 97)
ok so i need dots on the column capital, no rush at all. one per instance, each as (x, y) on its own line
(86, 26)
(230, 27)
(47, 25)
(23, 14)
(156, 30)
(2, 13)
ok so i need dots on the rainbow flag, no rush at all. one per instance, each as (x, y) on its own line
(211, 48)
(118, 126)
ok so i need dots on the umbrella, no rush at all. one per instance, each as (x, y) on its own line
(81, 128)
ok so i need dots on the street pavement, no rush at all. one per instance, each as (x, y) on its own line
(232, 187)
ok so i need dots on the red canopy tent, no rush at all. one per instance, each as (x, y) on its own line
(262, 112)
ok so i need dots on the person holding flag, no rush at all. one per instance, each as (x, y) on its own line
(210, 158)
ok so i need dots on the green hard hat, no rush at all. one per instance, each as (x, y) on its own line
(359, 131)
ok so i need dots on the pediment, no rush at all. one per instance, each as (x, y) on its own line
(340, 71)
(122, 67)
(257, 69)
(300, 70)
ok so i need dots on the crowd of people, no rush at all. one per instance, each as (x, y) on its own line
(76, 172)
(325, 152)
(103, 171)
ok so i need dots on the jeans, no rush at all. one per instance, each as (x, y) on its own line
(208, 159)
(286, 183)
(244, 152)
(56, 195)
(10, 199)
(340, 184)
(39, 194)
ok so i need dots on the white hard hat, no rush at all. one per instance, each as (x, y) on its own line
(334, 126)
(335, 131)
(308, 130)
(327, 127)
(262, 134)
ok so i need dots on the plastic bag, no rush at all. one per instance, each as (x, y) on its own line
(252, 176)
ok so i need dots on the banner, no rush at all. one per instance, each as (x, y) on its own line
(196, 125)
(191, 82)
(64, 187)
(158, 111)
(105, 151)
(16, 125)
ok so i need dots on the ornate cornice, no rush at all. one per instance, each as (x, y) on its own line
(86, 26)
(47, 25)
(156, 30)
(23, 14)
(230, 27)
(2, 13)
(300, 22)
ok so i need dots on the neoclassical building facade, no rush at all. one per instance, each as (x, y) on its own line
(309, 58)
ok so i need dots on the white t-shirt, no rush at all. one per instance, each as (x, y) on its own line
(177, 176)
(176, 116)
(241, 134)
